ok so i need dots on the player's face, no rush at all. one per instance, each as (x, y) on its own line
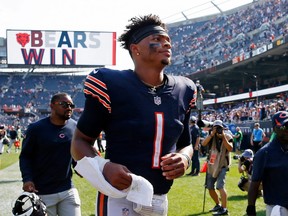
(63, 108)
(156, 48)
(282, 134)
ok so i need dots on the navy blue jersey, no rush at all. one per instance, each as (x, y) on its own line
(270, 167)
(140, 125)
(195, 133)
(45, 158)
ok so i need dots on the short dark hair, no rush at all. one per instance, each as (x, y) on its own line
(57, 96)
(136, 24)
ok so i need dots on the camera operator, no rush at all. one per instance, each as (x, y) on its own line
(220, 144)
(245, 165)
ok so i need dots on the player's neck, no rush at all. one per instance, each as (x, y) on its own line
(151, 79)
(57, 121)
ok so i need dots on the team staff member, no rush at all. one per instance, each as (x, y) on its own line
(144, 114)
(270, 168)
(257, 137)
(45, 159)
(195, 136)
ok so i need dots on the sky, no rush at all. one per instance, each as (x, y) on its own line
(101, 15)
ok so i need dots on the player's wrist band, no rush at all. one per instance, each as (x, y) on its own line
(188, 159)
(251, 210)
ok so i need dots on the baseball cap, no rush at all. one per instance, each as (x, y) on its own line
(248, 153)
(218, 123)
(280, 119)
(193, 119)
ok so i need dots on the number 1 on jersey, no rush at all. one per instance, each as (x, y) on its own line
(158, 139)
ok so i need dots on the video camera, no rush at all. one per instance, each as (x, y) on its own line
(207, 124)
(204, 124)
(245, 162)
(219, 130)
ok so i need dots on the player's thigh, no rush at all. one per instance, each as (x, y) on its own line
(221, 178)
(70, 203)
(51, 201)
(210, 181)
(108, 206)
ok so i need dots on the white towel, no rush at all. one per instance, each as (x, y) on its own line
(140, 191)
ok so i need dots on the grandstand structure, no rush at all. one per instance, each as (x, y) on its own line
(238, 55)
(241, 51)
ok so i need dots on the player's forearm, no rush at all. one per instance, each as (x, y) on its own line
(82, 146)
(188, 150)
(253, 193)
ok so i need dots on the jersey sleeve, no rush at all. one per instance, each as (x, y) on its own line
(97, 105)
(258, 165)
(26, 155)
(189, 96)
(96, 87)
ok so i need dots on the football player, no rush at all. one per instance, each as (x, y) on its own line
(145, 115)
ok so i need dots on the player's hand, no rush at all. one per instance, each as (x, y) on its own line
(173, 165)
(29, 187)
(117, 175)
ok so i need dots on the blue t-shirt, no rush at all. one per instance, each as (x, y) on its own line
(257, 135)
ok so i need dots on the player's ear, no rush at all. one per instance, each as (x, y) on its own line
(134, 49)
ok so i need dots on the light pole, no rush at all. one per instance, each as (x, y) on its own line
(256, 80)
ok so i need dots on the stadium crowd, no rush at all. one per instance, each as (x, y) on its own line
(196, 46)
(207, 43)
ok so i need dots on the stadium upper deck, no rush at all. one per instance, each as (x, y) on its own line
(217, 50)
(243, 50)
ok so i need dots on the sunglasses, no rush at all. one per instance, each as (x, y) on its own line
(65, 104)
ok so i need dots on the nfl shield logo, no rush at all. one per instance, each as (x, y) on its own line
(157, 100)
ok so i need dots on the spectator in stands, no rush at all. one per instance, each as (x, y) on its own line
(270, 168)
(257, 137)
(45, 159)
(281, 105)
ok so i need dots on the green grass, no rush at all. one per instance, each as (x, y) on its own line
(187, 195)
(185, 198)
(8, 159)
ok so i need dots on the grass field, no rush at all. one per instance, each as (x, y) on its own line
(185, 198)
(8, 159)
